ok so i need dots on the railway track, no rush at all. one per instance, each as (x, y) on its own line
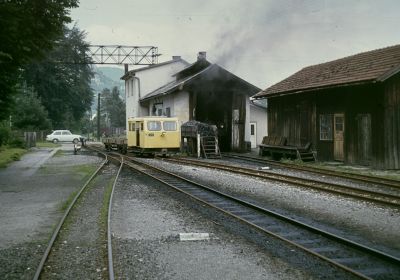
(357, 259)
(54, 238)
(377, 196)
(341, 174)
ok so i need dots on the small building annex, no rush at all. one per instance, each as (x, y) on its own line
(201, 91)
(349, 109)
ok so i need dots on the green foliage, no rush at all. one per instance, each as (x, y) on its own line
(113, 106)
(8, 155)
(5, 133)
(16, 142)
(7, 137)
(28, 31)
(64, 88)
(28, 112)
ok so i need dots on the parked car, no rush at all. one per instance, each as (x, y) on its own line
(63, 136)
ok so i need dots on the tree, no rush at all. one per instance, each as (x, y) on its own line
(28, 112)
(28, 31)
(63, 87)
(114, 107)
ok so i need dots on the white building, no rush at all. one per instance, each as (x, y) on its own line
(200, 91)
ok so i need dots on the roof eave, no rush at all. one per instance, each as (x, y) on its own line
(306, 90)
(389, 74)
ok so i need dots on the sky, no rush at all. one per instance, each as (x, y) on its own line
(261, 41)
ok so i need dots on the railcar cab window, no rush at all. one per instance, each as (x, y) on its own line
(169, 126)
(154, 125)
(325, 127)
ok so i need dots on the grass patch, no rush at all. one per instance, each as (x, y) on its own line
(85, 169)
(8, 155)
(59, 153)
(66, 203)
(47, 145)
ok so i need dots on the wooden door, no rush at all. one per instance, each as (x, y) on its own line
(253, 135)
(338, 137)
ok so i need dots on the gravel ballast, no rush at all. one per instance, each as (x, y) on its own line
(365, 222)
(147, 219)
(80, 251)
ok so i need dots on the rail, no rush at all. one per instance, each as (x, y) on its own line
(345, 254)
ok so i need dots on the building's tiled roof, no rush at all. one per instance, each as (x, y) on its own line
(188, 77)
(172, 86)
(131, 72)
(372, 66)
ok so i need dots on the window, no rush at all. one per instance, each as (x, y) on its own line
(168, 111)
(159, 112)
(169, 125)
(131, 126)
(325, 127)
(66, 133)
(252, 129)
(154, 125)
(57, 133)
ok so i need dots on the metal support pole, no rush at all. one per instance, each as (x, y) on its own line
(198, 146)
(98, 117)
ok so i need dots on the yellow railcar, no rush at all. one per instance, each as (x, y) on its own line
(154, 135)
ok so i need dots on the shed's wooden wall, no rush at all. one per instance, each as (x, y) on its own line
(293, 117)
(390, 157)
(372, 110)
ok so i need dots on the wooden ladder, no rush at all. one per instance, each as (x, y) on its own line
(209, 145)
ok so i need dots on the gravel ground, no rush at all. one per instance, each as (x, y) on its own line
(32, 192)
(307, 175)
(147, 219)
(80, 251)
(360, 221)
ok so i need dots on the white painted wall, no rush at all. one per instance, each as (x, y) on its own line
(146, 81)
(178, 104)
(259, 116)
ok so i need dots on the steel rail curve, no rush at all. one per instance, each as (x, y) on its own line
(358, 193)
(67, 212)
(265, 220)
(109, 235)
(342, 174)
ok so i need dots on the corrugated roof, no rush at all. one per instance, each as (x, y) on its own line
(371, 66)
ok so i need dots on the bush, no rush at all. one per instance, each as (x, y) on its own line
(5, 133)
(16, 142)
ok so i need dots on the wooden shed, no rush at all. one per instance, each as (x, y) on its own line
(348, 108)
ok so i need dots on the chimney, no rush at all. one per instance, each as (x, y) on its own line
(201, 56)
(176, 57)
